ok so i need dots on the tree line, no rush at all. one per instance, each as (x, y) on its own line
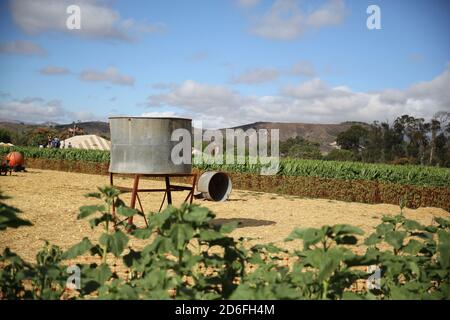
(407, 140)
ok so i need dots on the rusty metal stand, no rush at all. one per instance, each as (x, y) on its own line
(167, 190)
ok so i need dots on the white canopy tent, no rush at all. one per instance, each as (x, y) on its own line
(88, 141)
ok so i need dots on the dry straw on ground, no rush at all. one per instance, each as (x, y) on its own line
(50, 200)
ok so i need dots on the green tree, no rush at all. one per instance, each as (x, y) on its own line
(5, 136)
(353, 138)
(341, 155)
(415, 133)
(299, 147)
(40, 136)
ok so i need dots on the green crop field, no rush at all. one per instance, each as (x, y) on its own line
(408, 174)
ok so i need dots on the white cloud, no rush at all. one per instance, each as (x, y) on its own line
(32, 110)
(110, 75)
(285, 20)
(98, 19)
(196, 96)
(331, 13)
(39, 110)
(314, 88)
(256, 76)
(22, 47)
(310, 101)
(54, 70)
(163, 114)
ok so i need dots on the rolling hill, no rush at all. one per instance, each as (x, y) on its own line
(324, 134)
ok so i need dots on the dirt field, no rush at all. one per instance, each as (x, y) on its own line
(50, 200)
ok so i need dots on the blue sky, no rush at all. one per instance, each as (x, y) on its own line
(224, 62)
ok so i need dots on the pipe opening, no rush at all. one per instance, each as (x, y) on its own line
(215, 186)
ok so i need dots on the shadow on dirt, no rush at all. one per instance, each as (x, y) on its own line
(243, 222)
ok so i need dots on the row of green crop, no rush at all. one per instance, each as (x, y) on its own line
(409, 174)
(60, 154)
(345, 170)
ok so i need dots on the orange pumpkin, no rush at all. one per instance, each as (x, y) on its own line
(15, 159)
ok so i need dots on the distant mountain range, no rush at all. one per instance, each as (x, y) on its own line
(324, 134)
(90, 127)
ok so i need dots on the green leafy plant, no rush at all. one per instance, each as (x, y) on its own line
(418, 266)
(189, 256)
(322, 270)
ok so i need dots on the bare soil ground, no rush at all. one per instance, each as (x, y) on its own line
(50, 200)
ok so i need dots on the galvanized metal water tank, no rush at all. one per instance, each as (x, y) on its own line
(143, 145)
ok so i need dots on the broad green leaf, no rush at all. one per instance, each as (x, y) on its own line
(229, 227)
(78, 249)
(414, 268)
(390, 219)
(131, 258)
(127, 212)
(109, 191)
(373, 239)
(431, 229)
(103, 218)
(94, 276)
(310, 236)
(395, 238)
(158, 219)
(115, 243)
(144, 233)
(181, 234)
(412, 225)
(444, 248)
(384, 228)
(413, 247)
(342, 229)
(197, 214)
(209, 235)
(86, 211)
(443, 223)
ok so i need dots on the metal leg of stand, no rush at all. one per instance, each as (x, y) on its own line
(194, 180)
(134, 195)
(142, 209)
(111, 182)
(169, 193)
